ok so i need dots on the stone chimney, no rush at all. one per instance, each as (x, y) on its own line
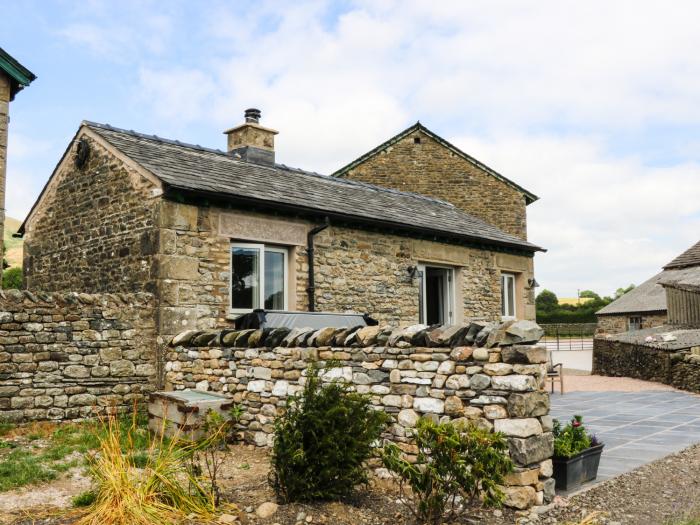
(252, 142)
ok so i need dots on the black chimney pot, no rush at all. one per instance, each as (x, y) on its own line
(252, 115)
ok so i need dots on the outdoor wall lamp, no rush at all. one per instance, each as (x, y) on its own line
(412, 271)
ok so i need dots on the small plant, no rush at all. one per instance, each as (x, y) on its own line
(323, 441)
(85, 499)
(455, 467)
(217, 432)
(161, 492)
(571, 439)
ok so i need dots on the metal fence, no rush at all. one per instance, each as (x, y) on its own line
(572, 336)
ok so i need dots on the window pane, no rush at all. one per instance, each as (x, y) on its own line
(510, 280)
(503, 296)
(274, 280)
(245, 278)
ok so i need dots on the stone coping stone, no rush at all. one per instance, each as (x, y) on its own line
(488, 335)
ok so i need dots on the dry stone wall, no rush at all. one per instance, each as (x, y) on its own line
(487, 374)
(67, 356)
(678, 368)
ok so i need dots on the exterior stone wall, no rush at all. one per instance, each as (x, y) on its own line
(67, 356)
(431, 169)
(678, 368)
(500, 389)
(4, 123)
(94, 231)
(355, 270)
(616, 324)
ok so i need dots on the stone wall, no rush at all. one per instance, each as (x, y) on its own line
(678, 368)
(430, 168)
(94, 228)
(356, 270)
(408, 373)
(616, 324)
(4, 123)
(66, 356)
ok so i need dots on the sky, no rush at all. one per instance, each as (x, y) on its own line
(593, 106)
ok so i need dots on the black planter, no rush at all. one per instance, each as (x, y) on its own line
(570, 473)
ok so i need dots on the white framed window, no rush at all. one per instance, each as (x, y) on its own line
(508, 295)
(436, 294)
(635, 323)
(258, 277)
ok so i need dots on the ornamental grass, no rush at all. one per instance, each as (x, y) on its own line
(162, 491)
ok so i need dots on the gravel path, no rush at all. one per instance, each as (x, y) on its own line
(658, 493)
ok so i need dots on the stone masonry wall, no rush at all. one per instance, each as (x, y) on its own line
(94, 230)
(67, 356)
(616, 324)
(431, 169)
(408, 373)
(356, 270)
(679, 368)
(4, 124)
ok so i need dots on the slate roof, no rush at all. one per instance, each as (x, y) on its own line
(685, 279)
(529, 196)
(215, 173)
(690, 257)
(649, 296)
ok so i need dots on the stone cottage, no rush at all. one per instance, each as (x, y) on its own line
(13, 78)
(413, 231)
(646, 306)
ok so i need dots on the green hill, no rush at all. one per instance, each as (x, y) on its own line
(13, 246)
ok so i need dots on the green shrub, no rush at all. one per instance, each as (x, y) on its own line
(571, 439)
(322, 442)
(85, 499)
(455, 467)
(12, 278)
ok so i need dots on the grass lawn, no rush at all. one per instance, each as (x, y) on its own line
(40, 452)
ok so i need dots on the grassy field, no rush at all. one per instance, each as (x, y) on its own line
(40, 452)
(14, 246)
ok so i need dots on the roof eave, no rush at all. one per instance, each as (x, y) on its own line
(529, 196)
(20, 75)
(530, 249)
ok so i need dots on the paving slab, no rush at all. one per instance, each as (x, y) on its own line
(637, 427)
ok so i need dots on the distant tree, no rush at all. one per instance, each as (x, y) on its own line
(12, 278)
(590, 294)
(622, 291)
(547, 301)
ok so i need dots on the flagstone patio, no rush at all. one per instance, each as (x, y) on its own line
(636, 427)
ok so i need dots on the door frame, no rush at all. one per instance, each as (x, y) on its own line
(449, 296)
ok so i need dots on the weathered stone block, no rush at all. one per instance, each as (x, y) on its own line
(518, 427)
(179, 267)
(429, 405)
(516, 383)
(530, 404)
(76, 371)
(519, 497)
(526, 451)
(498, 369)
(524, 354)
(121, 368)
